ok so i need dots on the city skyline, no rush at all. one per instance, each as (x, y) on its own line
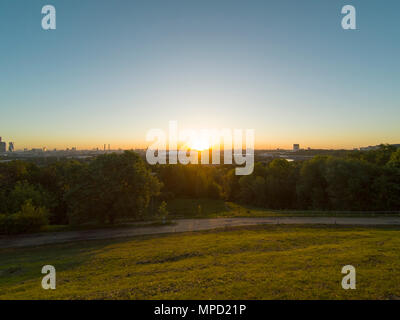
(109, 147)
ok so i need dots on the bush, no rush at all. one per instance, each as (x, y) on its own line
(28, 219)
(23, 191)
(163, 212)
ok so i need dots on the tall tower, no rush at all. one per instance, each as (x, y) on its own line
(11, 146)
(3, 146)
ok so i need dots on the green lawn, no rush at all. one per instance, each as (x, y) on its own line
(264, 262)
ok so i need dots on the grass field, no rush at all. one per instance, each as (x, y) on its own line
(264, 262)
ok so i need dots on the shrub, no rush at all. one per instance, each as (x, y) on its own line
(28, 219)
(163, 212)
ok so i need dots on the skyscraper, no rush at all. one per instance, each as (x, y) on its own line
(11, 146)
(3, 146)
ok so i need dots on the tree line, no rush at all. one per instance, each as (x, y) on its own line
(355, 181)
(113, 186)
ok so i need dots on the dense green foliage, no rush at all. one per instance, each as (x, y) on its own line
(110, 187)
(28, 219)
(106, 188)
(113, 186)
(360, 181)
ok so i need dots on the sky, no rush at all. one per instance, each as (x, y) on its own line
(112, 70)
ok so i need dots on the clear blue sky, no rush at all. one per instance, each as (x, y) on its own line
(114, 69)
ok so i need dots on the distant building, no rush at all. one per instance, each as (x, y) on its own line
(296, 147)
(3, 146)
(11, 146)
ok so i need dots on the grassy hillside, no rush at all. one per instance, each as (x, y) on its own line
(266, 262)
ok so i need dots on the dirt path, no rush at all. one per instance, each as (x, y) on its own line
(183, 225)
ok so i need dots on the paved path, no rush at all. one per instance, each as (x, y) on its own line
(183, 225)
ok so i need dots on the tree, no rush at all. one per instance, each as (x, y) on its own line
(162, 211)
(112, 186)
(348, 184)
(58, 178)
(280, 184)
(29, 219)
(24, 191)
(395, 159)
(312, 184)
(379, 156)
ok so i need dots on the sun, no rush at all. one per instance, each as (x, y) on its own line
(199, 144)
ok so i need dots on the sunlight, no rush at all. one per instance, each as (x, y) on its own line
(199, 144)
